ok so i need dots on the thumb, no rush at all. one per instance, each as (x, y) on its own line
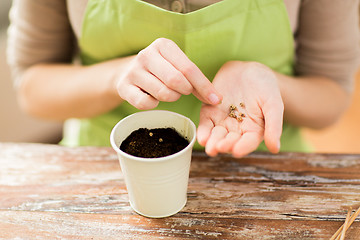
(273, 112)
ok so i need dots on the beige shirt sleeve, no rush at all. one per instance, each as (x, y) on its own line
(328, 40)
(40, 32)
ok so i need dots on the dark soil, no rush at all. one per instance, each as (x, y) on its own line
(153, 143)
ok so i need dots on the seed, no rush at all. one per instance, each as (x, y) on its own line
(242, 115)
(239, 119)
(242, 105)
(232, 107)
(232, 114)
(151, 134)
(160, 140)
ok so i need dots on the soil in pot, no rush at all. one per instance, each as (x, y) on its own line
(153, 143)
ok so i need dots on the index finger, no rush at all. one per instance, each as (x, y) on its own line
(204, 89)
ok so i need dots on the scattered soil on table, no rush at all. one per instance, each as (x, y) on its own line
(153, 143)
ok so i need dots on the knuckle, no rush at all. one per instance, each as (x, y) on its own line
(129, 75)
(151, 104)
(167, 95)
(163, 42)
(160, 40)
(189, 69)
(142, 57)
(255, 66)
(127, 79)
(137, 101)
(124, 89)
(188, 89)
(179, 83)
(142, 103)
(175, 80)
(139, 104)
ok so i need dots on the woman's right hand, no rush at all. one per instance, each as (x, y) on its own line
(162, 72)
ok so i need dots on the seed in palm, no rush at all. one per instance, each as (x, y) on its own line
(232, 114)
(233, 108)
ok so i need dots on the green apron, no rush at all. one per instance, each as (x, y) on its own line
(245, 30)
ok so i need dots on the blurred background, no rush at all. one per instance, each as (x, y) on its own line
(15, 126)
(344, 136)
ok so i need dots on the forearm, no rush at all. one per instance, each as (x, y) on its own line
(59, 91)
(314, 102)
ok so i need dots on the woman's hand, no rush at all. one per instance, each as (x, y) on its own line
(255, 86)
(162, 72)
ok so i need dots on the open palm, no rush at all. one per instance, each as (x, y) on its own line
(252, 89)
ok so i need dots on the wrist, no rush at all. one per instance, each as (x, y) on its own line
(112, 71)
(111, 87)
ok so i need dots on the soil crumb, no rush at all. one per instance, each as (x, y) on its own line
(153, 143)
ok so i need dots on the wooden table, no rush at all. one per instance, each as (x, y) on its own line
(54, 192)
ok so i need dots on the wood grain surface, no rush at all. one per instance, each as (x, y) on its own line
(55, 192)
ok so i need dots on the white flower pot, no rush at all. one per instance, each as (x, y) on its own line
(157, 187)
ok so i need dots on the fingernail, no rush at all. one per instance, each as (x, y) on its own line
(214, 98)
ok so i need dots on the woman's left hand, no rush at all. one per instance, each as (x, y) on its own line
(255, 87)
